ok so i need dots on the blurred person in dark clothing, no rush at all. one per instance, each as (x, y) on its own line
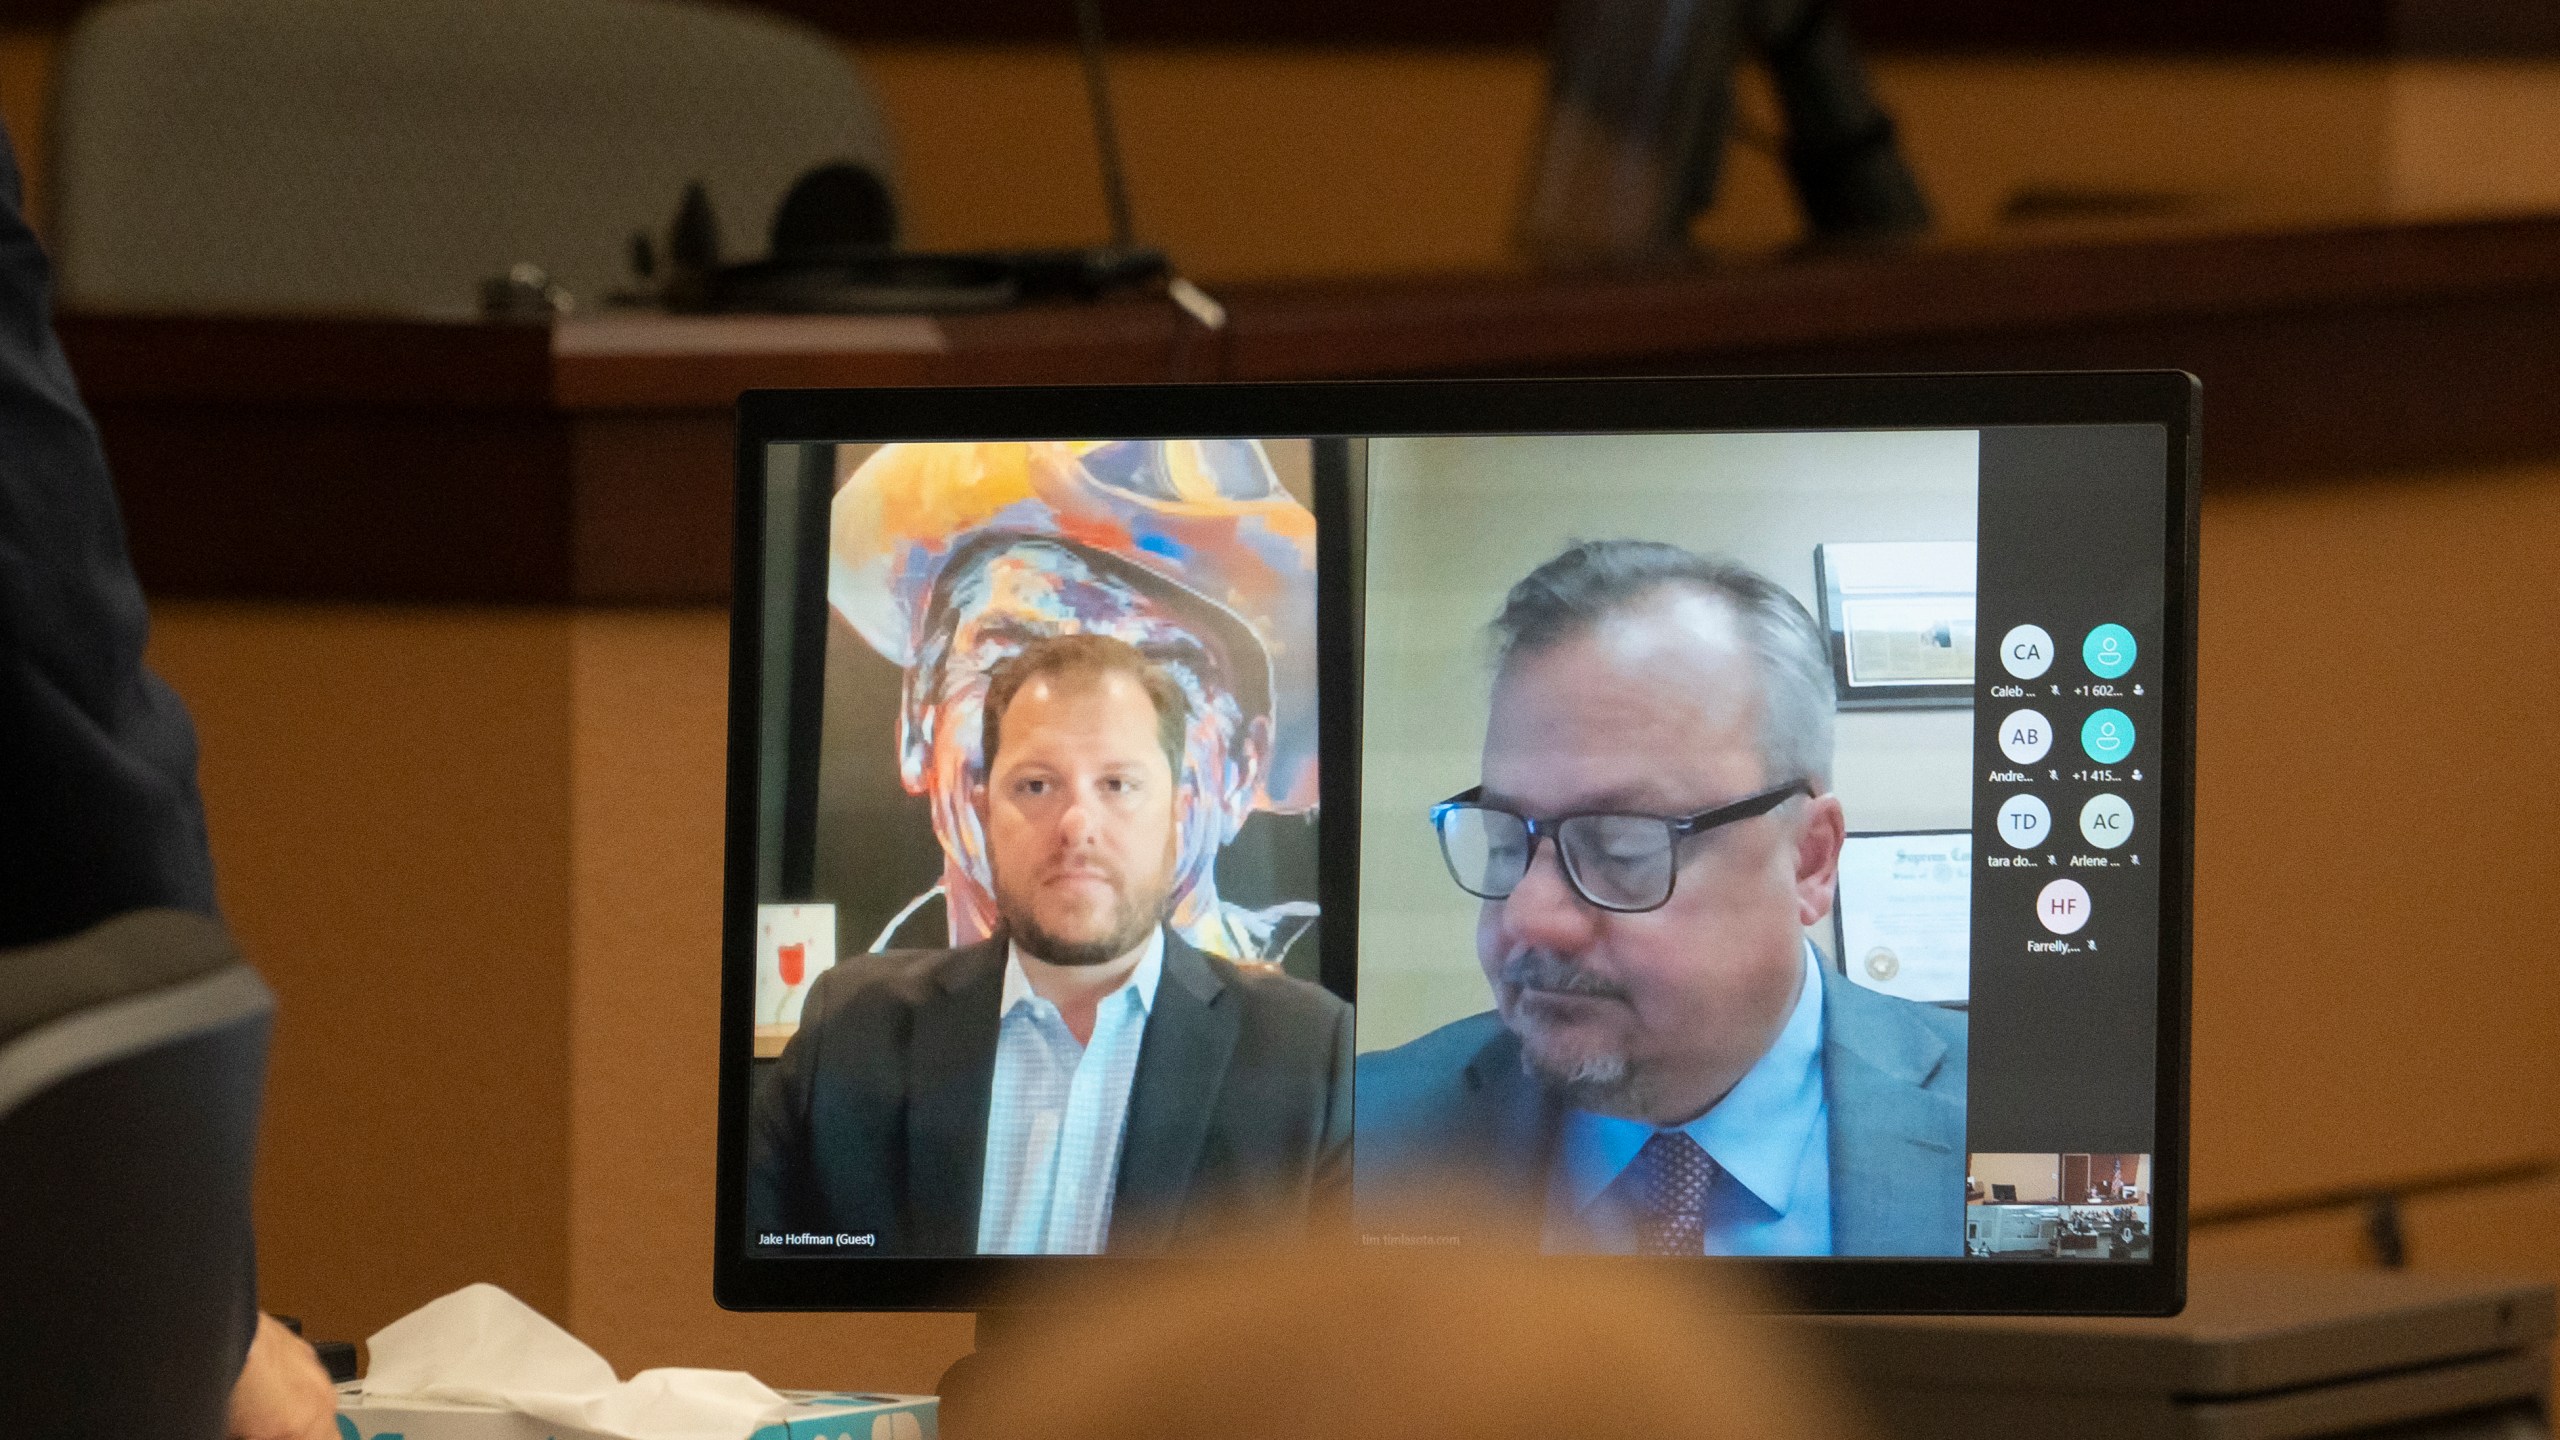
(99, 812)
(98, 807)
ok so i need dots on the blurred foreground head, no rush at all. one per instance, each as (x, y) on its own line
(1312, 1344)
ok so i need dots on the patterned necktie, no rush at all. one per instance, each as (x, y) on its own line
(1669, 1179)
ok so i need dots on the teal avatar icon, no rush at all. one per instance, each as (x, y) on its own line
(2108, 652)
(2107, 736)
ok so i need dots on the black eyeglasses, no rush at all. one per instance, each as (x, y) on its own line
(1626, 863)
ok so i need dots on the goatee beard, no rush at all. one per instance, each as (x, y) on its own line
(1605, 1083)
(1128, 934)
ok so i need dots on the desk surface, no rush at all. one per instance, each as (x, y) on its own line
(399, 459)
(2242, 1332)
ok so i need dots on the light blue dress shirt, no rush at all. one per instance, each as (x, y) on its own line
(1770, 1134)
(1057, 1113)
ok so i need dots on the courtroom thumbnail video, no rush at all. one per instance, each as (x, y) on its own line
(2058, 1207)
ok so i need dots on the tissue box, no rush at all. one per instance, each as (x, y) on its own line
(851, 1415)
(814, 1415)
(438, 1420)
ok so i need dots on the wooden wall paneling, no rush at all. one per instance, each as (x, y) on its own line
(387, 789)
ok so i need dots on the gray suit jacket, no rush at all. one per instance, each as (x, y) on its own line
(874, 1121)
(1456, 1105)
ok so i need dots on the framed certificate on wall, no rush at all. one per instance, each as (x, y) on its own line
(1903, 914)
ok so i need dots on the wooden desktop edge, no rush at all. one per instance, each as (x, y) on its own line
(381, 458)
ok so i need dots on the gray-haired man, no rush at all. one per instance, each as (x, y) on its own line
(1667, 1069)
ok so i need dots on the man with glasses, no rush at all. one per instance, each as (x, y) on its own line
(1668, 1067)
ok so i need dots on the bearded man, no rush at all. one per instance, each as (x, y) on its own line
(1084, 1080)
(945, 557)
(1668, 1067)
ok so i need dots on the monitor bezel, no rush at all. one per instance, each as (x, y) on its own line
(1364, 409)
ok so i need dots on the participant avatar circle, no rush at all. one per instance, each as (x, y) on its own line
(2024, 822)
(2026, 651)
(2107, 736)
(2063, 906)
(2108, 652)
(2106, 821)
(2025, 736)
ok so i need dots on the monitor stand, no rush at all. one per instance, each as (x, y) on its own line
(965, 1383)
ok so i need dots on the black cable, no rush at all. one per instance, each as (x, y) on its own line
(1106, 136)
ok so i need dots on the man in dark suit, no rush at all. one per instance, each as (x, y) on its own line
(1668, 1067)
(1083, 1081)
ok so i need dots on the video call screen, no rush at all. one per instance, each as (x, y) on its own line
(1756, 844)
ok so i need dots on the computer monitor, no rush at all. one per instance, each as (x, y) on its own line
(1732, 821)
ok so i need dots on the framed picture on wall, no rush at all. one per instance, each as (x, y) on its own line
(1900, 617)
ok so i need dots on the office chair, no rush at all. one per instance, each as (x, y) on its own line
(392, 155)
(132, 1061)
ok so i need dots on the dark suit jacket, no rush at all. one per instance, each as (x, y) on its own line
(874, 1121)
(98, 806)
(1456, 1104)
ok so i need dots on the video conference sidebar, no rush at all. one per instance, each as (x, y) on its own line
(2069, 788)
